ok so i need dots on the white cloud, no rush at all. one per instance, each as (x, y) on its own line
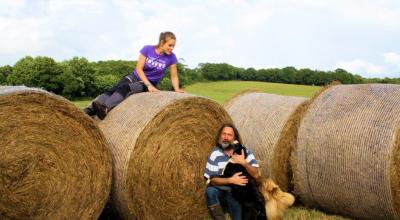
(366, 12)
(373, 13)
(392, 58)
(23, 36)
(361, 67)
(89, 6)
(255, 33)
(11, 8)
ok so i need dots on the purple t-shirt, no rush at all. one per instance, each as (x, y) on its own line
(155, 65)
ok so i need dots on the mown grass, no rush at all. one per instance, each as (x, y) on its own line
(82, 103)
(223, 91)
(301, 213)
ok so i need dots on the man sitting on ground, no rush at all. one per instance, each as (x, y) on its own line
(218, 193)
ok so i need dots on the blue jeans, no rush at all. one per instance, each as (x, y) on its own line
(222, 195)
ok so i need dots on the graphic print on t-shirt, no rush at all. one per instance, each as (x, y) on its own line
(155, 63)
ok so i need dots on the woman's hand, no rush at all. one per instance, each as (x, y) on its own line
(152, 89)
(180, 90)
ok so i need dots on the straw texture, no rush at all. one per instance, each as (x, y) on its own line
(260, 118)
(54, 160)
(347, 156)
(160, 143)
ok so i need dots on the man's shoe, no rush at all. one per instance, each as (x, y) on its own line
(101, 110)
(216, 212)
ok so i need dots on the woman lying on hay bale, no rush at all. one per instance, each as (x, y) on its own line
(234, 182)
(153, 61)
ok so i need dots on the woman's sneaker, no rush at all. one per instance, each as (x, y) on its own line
(100, 109)
(90, 111)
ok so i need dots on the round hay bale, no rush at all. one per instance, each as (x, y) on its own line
(260, 118)
(160, 143)
(54, 160)
(287, 144)
(347, 158)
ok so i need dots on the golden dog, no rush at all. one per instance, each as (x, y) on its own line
(276, 201)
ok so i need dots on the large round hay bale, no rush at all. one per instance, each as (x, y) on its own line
(160, 143)
(347, 158)
(260, 118)
(54, 162)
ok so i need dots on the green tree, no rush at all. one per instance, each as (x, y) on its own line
(219, 71)
(343, 76)
(249, 74)
(194, 75)
(119, 68)
(22, 72)
(184, 78)
(4, 72)
(288, 75)
(104, 82)
(78, 78)
(42, 72)
(73, 86)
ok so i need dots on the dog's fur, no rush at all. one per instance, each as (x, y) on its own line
(261, 198)
(276, 200)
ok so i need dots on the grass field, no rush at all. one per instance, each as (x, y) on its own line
(222, 91)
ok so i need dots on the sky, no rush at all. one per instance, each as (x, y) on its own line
(360, 36)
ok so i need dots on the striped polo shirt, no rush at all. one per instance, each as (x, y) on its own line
(218, 160)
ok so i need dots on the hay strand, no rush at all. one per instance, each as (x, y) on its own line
(347, 156)
(287, 143)
(160, 143)
(54, 160)
(260, 119)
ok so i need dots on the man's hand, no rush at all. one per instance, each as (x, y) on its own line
(152, 89)
(239, 159)
(238, 179)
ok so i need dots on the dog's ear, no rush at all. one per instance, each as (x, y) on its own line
(270, 185)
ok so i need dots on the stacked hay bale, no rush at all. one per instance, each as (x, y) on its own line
(54, 160)
(347, 159)
(260, 119)
(160, 143)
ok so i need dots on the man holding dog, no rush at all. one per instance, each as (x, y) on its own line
(218, 193)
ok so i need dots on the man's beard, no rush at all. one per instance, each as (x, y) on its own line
(225, 144)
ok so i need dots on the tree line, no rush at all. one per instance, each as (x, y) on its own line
(78, 77)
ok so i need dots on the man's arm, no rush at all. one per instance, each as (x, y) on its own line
(236, 179)
(211, 173)
(252, 170)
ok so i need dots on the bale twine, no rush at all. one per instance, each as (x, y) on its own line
(160, 143)
(347, 156)
(260, 119)
(287, 144)
(54, 160)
